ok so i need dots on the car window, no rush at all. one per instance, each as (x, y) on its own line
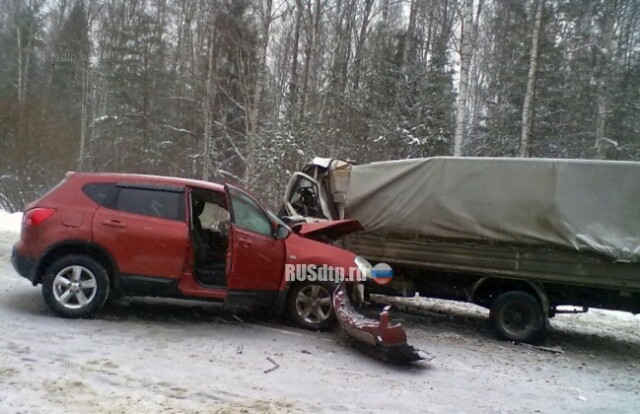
(248, 215)
(101, 193)
(277, 220)
(154, 203)
(213, 215)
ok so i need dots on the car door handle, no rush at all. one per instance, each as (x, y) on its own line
(245, 243)
(114, 223)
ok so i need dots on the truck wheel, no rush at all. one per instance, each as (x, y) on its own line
(75, 286)
(517, 316)
(310, 305)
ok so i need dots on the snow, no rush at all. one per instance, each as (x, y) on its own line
(104, 118)
(10, 222)
(148, 356)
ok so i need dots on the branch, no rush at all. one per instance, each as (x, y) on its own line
(229, 174)
(226, 134)
(186, 131)
(224, 91)
(182, 98)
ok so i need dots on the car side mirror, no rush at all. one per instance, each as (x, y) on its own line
(282, 232)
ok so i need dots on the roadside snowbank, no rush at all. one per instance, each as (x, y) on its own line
(10, 222)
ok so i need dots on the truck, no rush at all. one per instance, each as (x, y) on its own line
(525, 238)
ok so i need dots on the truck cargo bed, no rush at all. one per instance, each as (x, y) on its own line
(499, 259)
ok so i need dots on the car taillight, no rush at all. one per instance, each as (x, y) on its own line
(37, 216)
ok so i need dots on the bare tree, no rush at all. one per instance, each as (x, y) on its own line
(293, 80)
(207, 109)
(604, 50)
(362, 37)
(527, 107)
(466, 54)
(264, 11)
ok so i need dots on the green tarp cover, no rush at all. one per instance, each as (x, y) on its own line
(585, 205)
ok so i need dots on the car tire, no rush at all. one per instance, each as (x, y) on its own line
(310, 305)
(75, 286)
(518, 316)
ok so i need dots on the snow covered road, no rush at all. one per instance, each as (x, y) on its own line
(161, 356)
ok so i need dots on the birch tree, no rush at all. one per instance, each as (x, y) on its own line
(466, 54)
(527, 108)
(604, 54)
(264, 11)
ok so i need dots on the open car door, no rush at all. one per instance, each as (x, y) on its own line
(257, 254)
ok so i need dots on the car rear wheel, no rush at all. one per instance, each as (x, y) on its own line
(75, 286)
(517, 316)
(310, 305)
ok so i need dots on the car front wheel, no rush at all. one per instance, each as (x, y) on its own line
(310, 305)
(75, 286)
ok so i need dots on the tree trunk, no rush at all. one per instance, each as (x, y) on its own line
(527, 107)
(602, 99)
(253, 135)
(207, 113)
(411, 30)
(466, 52)
(293, 80)
(83, 115)
(312, 33)
(357, 63)
(20, 80)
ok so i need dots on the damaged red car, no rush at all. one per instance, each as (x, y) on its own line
(94, 235)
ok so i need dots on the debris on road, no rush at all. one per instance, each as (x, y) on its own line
(380, 339)
(274, 367)
(557, 351)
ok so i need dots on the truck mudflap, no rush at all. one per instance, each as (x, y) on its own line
(380, 339)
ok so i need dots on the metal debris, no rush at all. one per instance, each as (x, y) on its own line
(274, 367)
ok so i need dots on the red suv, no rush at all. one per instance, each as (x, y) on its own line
(95, 234)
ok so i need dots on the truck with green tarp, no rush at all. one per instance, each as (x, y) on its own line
(521, 237)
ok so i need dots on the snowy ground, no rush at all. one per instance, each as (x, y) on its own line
(10, 223)
(154, 356)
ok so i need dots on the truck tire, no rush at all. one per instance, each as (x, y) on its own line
(75, 286)
(518, 316)
(310, 305)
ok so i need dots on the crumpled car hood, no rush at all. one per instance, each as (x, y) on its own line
(327, 231)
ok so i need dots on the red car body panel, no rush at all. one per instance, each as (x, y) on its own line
(380, 338)
(303, 251)
(257, 261)
(189, 287)
(138, 247)
(328, 230)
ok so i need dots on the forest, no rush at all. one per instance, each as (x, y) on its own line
(248, 91)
